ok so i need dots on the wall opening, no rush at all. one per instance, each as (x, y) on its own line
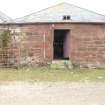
(61, 44)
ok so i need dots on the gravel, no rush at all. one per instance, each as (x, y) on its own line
(60, 93)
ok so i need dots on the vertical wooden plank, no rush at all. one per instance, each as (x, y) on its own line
(44, 41)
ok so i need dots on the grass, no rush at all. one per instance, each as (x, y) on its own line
(45, 74)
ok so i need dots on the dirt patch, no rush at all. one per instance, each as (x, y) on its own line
(20, 93)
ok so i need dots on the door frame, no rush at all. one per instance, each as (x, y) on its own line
(53, 41)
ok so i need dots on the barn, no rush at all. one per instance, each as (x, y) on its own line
(61, 32)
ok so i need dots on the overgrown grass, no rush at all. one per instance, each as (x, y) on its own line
(45, 74)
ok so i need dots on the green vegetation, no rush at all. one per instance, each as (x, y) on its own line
(5, 38)
(45, 74)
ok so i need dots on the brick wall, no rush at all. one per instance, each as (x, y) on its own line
(88, 44)
(34, 43)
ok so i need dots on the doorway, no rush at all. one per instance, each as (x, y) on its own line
(61, 44)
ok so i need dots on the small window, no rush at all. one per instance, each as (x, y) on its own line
(66, 17)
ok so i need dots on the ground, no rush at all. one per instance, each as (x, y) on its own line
(45, 86)
(60, 93)
(52, 75)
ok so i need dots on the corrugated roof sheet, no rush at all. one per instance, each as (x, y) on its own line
(4, 18)
(56, 13)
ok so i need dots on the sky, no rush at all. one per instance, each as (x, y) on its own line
(19, 8)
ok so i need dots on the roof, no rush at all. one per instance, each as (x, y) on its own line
(56, 13)
(4, 18)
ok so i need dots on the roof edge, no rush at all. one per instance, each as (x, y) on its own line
(31, 23)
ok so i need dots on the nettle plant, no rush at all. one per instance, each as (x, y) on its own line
(5, 39)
